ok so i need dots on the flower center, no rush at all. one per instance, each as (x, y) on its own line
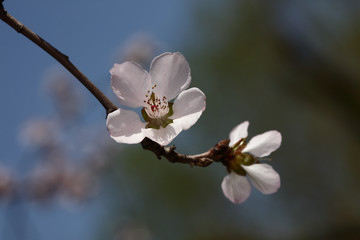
(156, 107)
(157, 110)
(241, 158)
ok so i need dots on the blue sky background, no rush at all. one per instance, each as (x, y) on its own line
(90, 33)
(289, 65)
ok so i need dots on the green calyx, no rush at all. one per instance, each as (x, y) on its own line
(241, 159)
(158, 122)
(247, 159)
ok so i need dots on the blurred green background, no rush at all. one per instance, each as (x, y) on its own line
(286, 65)
(292, 66)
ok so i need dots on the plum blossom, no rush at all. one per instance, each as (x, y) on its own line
(236, 186)
(163, 120)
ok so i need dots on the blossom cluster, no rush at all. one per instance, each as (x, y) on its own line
(163, 106)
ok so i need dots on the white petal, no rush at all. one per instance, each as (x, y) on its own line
(125, 126)
(263, 144)
(163, 136)
(238, 132)
(263, 177)
(171, 74)
(236, 187)
(188, 107)
(130, 82)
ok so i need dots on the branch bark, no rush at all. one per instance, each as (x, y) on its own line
(221, 152)
(60, 57)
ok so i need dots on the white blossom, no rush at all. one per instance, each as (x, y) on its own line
(163, 120)
(236, 186)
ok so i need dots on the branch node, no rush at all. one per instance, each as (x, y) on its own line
(20, 28)
(172, 148)
(220, 151)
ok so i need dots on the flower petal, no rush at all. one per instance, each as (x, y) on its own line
(263, 144)
(238, 132)
(171, 74)
(236, 187)
(263, 177)
(163, 136)
(130, 82)
(125, 126)
(188, 107)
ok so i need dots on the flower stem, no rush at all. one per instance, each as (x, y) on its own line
(201, 160)
(219, 153)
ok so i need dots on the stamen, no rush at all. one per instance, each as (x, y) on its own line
(157, 107)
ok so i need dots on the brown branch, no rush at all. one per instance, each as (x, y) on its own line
(216, 153)
(60, 57)
(219, 153)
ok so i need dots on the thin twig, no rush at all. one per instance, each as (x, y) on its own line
(60, 57)
(217, 153)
